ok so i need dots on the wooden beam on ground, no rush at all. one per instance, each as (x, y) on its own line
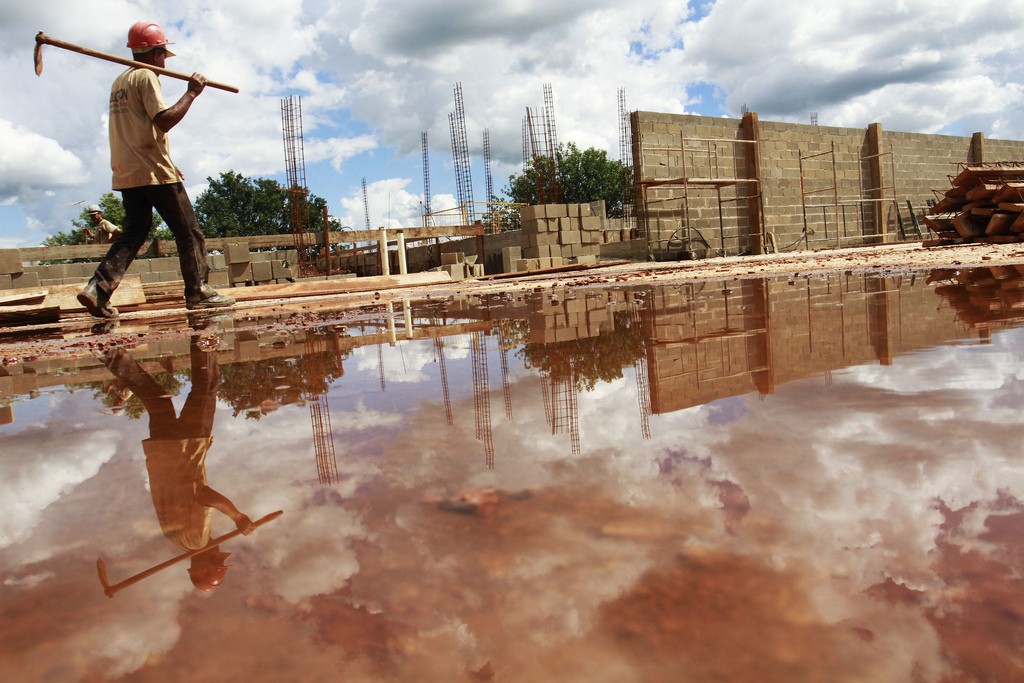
(23, 297)
(28, 315)
(313, 287)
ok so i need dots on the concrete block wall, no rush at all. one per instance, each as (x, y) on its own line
(264, 267)
(913, 166)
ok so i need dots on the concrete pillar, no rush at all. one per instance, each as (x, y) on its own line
(382, 244)
(403, 266)
(875, 191)
(755, 214)
(392, 334)
(976, 154)
(407, 311)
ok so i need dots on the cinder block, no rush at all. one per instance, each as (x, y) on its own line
(240, 273)
(280, 271)
(237, 253)
(261, 271)
(20, 280)
(509, 256)
(456, 270)
(10, 261)
(218, 278)
(217, 261)
(527, 264)
(5, 281)
(452, 257)
(527, 213)
(6, 415)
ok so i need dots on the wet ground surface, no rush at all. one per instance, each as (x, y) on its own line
(812, 477)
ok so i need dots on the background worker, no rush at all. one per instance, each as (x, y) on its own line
(104, 232)
(147, 178)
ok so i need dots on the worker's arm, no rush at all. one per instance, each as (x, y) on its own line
(171, 116)
(213, 499)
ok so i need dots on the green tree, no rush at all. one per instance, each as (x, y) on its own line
(582, 176)
(234, 206)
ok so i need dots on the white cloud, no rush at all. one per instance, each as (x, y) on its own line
(373, 76)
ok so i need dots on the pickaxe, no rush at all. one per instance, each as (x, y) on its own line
(101, 567)
(43, 39)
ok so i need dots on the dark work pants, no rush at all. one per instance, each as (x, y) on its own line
(196, 418)
(173, 205)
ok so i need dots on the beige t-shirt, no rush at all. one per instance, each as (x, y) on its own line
(139, 151)
(177, 470)
(106, 231)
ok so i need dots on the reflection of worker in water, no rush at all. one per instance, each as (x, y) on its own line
(176, 460)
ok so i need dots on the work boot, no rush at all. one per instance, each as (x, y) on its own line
(208, 298)
(96, 301)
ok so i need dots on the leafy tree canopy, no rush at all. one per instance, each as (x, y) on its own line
(235, 206)
(583, 176)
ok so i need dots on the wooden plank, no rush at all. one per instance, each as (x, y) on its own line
(1012, 207)
(968, 227)
(983, 191)
(1010, 192)
(128, 293)
(342, 286)
(23, 297)
(999, 224)
(28, 315)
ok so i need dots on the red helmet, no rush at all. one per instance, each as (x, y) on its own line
(145, 35)
(207, 578)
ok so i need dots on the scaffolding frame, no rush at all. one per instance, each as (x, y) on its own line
(839, 204)
(691, 146)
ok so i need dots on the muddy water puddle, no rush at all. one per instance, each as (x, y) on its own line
(794, 479)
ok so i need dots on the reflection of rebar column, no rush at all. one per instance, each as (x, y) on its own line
(565, 416)
(443, 366)
(643, 390)
(323, 441)
(643, 385)
(505, 389)
(481, 397)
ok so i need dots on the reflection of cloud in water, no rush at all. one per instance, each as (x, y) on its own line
(45, 464)
(403, 363)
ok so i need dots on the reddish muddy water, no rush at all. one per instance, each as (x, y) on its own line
(791, 479)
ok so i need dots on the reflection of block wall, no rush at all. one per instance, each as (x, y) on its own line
(734, 338)
(911, 167)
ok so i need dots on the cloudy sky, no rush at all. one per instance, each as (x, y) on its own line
(373, 76)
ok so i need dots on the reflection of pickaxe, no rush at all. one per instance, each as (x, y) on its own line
(110, 590)
(42, 39)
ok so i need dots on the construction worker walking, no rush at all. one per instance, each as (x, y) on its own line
(147, 178)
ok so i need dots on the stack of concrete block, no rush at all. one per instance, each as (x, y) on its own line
(459, 266)
(559, 234)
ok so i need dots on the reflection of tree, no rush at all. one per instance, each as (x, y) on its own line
(589, 359)
(284, 380)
